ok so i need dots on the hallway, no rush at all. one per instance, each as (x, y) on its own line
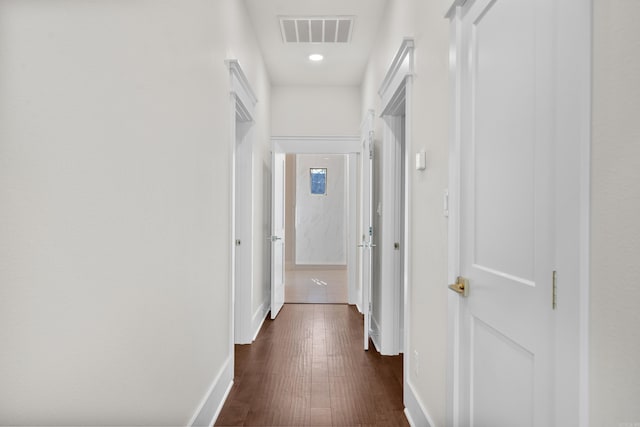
(308, 367)
(492, 189)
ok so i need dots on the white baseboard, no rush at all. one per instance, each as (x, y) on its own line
(374, 334)
(414, 410)
(258, 318)
(359, 301)
(214, 399)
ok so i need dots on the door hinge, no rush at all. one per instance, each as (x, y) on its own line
(445, 202)
(554, 295)
(370, 308)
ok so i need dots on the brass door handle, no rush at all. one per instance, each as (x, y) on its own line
(461, 286)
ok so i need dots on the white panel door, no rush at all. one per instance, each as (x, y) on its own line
(367, 245)
(277, 233)
(506, 233)
(243, 234)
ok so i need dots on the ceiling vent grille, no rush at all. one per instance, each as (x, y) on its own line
(316, 29)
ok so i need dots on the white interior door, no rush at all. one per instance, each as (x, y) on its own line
(506, 233)
(243, 234)
(277, 233)
(366, 245)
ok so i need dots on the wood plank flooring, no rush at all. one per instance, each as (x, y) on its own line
(308, 368)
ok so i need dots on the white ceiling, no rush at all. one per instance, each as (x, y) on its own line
(289, 64)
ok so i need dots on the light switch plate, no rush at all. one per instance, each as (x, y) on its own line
(421, 161)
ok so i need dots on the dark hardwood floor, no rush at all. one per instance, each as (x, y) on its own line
(308, 368)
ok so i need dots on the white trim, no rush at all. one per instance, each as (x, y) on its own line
(450, 7)
(401, 66)
(453, 231)
(414, 410)
(242, 106)
(231, 232)
(213, 400)
(241, 88)
(573, 107)
(408, 218)
(394, 92)
(349, 145)
(258, 318)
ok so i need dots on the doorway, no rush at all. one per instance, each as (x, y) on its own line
(241, 120)
(316, 221)
(319, 210)
(391, 280)
(243, 264)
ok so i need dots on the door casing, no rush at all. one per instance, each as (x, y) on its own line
(242, 103)
(395, 94)
(332, 145)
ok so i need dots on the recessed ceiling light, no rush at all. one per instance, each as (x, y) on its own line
(316, 57)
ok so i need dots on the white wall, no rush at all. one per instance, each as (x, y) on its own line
(320, 223)
(615, 226)
(428, 275)
(115, 219)
(315, 110)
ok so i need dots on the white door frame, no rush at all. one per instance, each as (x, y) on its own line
(395, 93)
(241, 109)
(572, 168)
(366, 237)
(332, 145)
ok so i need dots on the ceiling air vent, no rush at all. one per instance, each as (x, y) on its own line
(316, 29)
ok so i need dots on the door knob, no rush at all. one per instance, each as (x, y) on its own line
(461, 286)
